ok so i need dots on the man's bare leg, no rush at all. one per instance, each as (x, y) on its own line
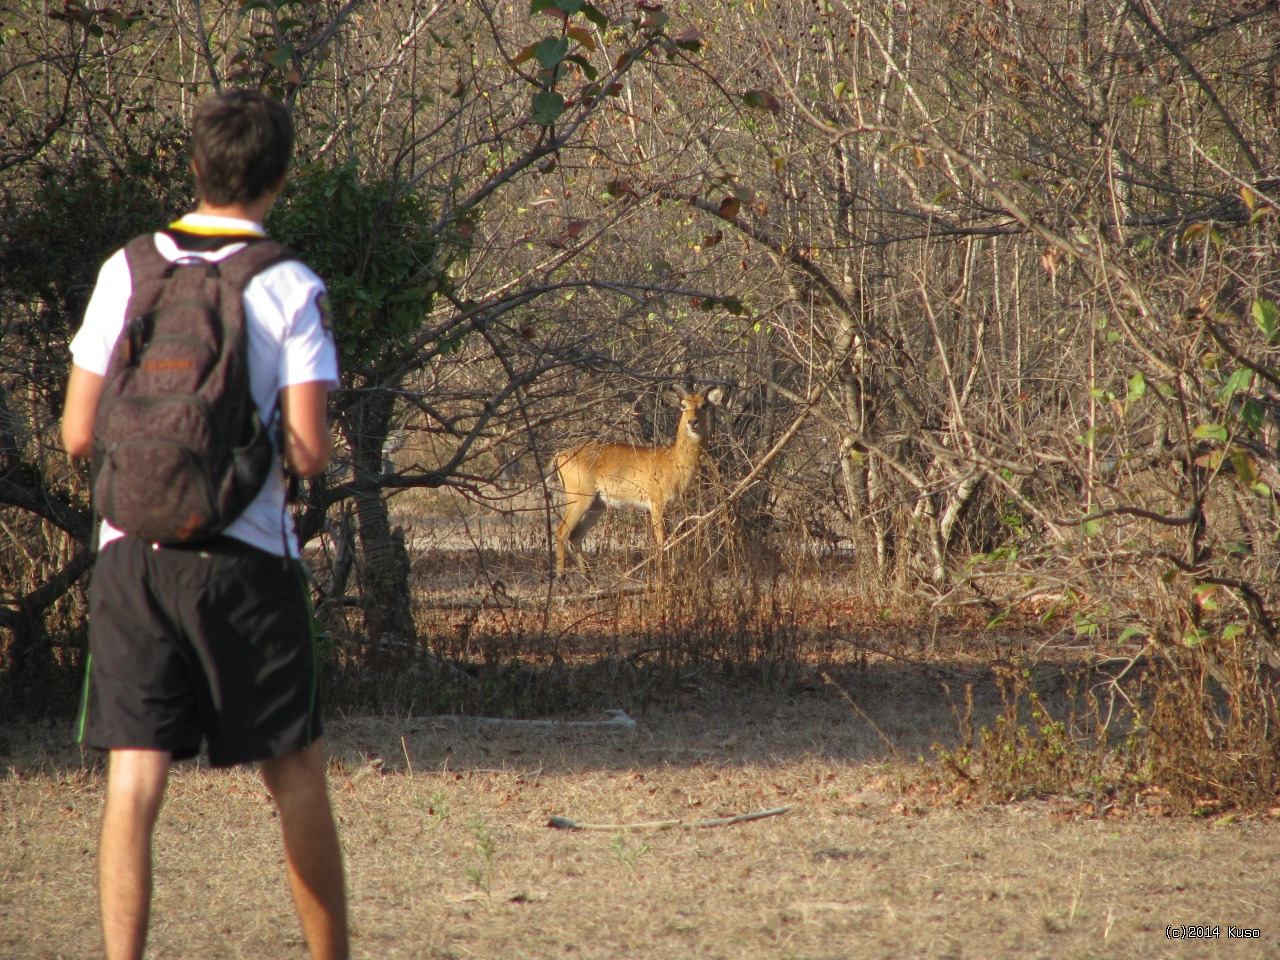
(299, 784)
(136, 782)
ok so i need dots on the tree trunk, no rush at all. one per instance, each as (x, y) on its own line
(382, 563)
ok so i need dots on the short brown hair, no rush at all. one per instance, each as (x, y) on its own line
(241, 144)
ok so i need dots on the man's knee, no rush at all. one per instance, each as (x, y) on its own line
(136, 781)
(303, 772)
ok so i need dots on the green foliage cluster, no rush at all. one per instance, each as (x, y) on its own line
(57, 230)
(1025, 752)
(57, 234)
(369, 239)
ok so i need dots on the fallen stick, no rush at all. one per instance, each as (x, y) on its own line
(614, 720)
(564, 823)
(605, 593)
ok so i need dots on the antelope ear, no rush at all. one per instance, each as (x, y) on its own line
(715, 395)
(673, 397)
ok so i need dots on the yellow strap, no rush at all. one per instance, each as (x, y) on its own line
(201, 230)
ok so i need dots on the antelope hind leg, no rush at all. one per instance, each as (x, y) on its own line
(581, 514)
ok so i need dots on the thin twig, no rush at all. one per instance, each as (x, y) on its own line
(862, 713)
(564, 823)
(407, 762)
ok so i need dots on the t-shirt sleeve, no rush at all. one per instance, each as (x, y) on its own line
(308, 353)
(104, 317)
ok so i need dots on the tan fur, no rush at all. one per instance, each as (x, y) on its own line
(596, 476)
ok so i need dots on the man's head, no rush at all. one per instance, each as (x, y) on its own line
(241, 145)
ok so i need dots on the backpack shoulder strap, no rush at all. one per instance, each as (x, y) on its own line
(242, 266)
(142, 255)
(147, 263)
(146, 270)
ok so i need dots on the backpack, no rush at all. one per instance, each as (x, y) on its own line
(179, 448)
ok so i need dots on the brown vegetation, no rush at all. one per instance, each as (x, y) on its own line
(997, 285)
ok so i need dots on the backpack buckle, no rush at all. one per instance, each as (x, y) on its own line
(210, 266)
(136, 338)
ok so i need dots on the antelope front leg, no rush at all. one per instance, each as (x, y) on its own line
(560, 536)
(659, 526)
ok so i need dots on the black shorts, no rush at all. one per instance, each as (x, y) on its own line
(189, 644)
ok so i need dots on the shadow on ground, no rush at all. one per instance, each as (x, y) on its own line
(855, 715)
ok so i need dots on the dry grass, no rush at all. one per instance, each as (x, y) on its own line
(449, 854)
(884, 852)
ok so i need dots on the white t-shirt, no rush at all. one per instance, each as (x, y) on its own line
(289, 343)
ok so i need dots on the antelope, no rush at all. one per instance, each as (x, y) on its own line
(597, 475)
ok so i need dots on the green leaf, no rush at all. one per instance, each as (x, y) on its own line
(547, 107)
(1137, 388)
(1239, 382)
(583, 37)
(570, 6)
(1251, 414)
(1232, 630)
(1267, 317)
(1194, 637)
(1245, 466)
(762, 100)
(551, 51)
(1131, 632)
(595, 16)
(690, 40)
(588, 71)
(525, 55)
(1210, 431)
(281, 58)
(1194, 231)
(653, 19)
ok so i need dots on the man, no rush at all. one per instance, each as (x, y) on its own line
(212, 642)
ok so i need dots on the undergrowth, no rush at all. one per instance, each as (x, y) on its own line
(1195, 734)
(1027, 751)
(597, 644)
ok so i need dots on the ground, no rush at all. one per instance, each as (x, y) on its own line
(449, 852)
